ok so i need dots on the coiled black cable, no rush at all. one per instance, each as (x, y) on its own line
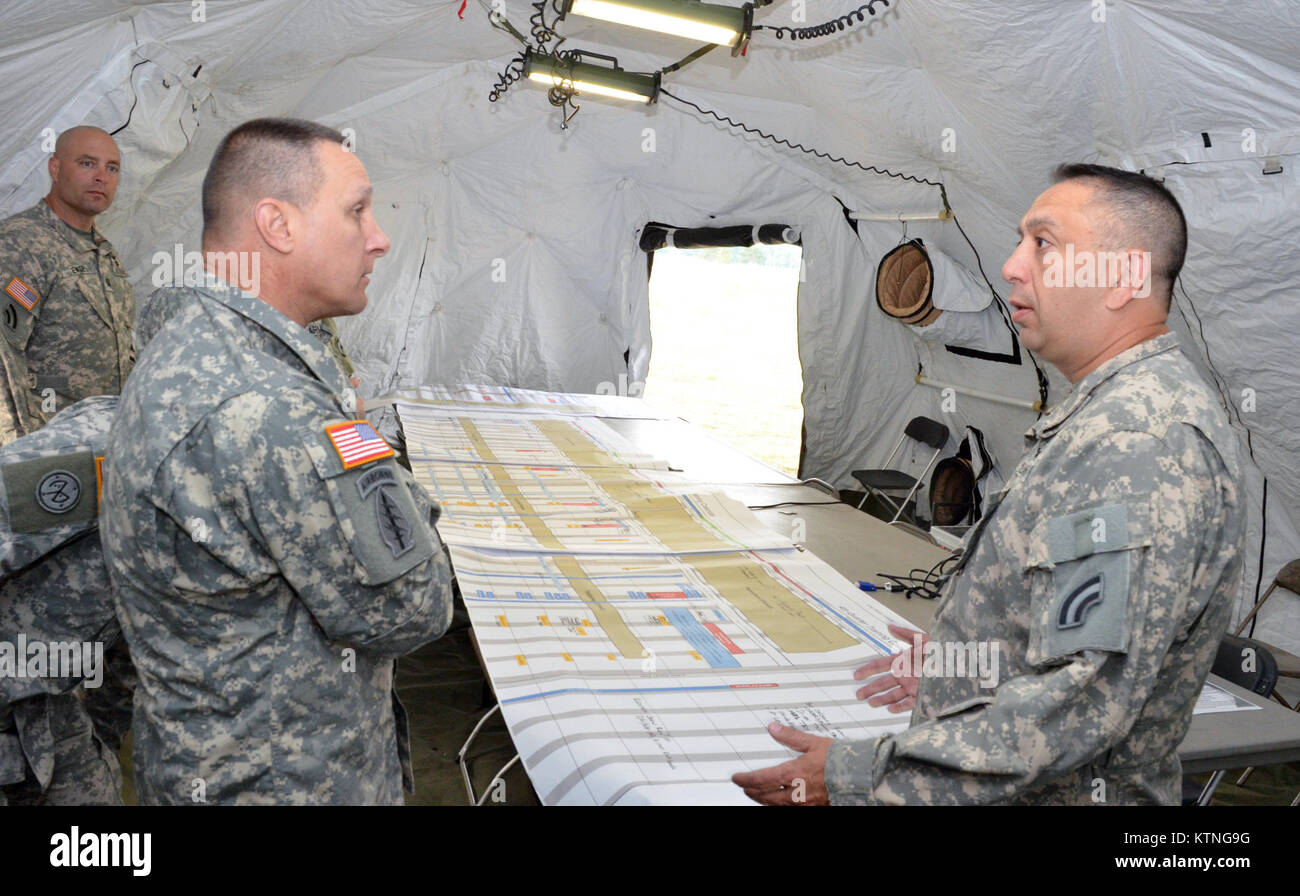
(826, 29)
(926, 584)
(543, 33)
(871, 169)
(513, 72)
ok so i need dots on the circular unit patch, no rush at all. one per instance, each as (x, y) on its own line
(58, 491)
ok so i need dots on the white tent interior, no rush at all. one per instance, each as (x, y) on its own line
(982, 98)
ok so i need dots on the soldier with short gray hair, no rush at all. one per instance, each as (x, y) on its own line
(269, 556)
(1106, 569)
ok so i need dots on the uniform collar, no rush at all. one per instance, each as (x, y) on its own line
(307, 347)
(74, 237)
(1084, 389)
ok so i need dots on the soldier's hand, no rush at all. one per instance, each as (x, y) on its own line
(799, 782)
(361, 402)
(897, 692)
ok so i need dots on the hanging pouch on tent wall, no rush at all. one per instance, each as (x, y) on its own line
(940, 299)
(905, 285)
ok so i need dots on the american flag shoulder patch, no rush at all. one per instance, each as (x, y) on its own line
(23, 294)
(357, 443)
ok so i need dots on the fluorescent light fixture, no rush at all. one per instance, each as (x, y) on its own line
(587, 78)
(725, 25)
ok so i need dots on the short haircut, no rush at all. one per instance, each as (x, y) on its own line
(1144, 213)
(265, 157)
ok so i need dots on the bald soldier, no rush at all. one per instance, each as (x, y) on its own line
(67, 304)
(269, 556)
(67, 315)
(1104, 572)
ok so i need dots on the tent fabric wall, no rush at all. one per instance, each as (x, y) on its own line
(514, 254)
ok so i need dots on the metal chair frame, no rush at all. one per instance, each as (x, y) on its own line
(916, 422)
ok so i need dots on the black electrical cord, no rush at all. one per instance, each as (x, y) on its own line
(135, 98)
(1220, 381)
(542, 32)
(1004, 313)
(781, 141)
(514, 71)
(688, 59)
(1221, 385)
(873, 169)
(826, 29)
(928, 585)
(791, 504)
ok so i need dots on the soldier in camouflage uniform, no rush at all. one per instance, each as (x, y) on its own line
(328, 333)
(67, 314)
(1106, 569)
(270, 558)
(54, 589)
(67, 303)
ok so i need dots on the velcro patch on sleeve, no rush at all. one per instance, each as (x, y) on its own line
(389, 536)
(357, 443)
(48, 492)
(22, 293)
(1088, 532)
(1091, 551)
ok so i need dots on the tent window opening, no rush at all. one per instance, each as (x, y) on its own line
(724, 350)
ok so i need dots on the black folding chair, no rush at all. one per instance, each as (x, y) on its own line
(880, 483)
(1246, 663)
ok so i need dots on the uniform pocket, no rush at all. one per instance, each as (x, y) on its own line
(1080, 565)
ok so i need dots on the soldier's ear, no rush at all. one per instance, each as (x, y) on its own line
(53, 166)
(273, 220)
(1133, 279)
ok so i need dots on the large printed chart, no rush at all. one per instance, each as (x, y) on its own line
(640, 632)
(511, 400)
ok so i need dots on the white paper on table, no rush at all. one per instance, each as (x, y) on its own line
(440, 434)
(639, 632)
(1215, 699)
(507, 399)
(674, 723)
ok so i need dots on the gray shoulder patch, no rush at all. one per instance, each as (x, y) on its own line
(1091, 555)
(47, 492)
(16, 322)
(377, 514)
(1089, 605)
(1087, 532)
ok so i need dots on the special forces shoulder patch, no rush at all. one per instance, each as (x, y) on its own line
(396, 529)
(372, 498)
